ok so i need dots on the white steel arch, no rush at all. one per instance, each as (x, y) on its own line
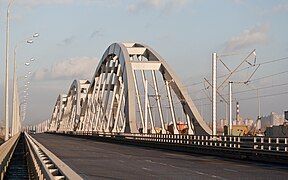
(75, 101)
(134, 90)
(57, 112)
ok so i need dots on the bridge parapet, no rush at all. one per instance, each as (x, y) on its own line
(46, 164)
(215, 144)
(22, 152)
(6, 151)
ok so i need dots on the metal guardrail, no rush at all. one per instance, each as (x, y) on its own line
(273, 145)
(6, 152)
(46, 164)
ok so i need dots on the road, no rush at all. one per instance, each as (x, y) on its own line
(98, 160)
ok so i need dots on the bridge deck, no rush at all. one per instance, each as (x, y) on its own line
(92, 159)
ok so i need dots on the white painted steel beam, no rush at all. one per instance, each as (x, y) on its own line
(111, 100)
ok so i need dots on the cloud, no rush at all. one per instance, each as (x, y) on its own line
(249, 37)
(67, 41)
(32, 3)
(96, 33)
(80, 68)
(238, 1)
(282, 7)
(163, 5)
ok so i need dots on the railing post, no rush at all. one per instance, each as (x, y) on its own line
(239, 145)
(211, 140)
(269, 142)
(225, 140)
(174, 138)
(202, 140)
(220, 141)
(285, 144)
(254, 141)
(277, 142)
(262, 141)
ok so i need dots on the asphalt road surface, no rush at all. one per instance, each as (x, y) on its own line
(98, 160)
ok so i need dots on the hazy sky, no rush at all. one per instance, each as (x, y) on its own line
(75, 33)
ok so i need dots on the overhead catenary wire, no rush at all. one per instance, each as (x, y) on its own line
(239, 92)
(243, 91)
(251, 98)
(255, 65)
(253, 80)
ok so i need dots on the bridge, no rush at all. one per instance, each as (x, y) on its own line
(135, 119)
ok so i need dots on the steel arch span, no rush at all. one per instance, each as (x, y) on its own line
(134, 90)
(74, 103)
(57, 112)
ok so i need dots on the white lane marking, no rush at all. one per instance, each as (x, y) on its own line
(148, 160)
(201, 173)
(153, 162)
(147, 169)
(230, 170)
(164, 164)
(197, 172)
(241, 165)
(217, 177)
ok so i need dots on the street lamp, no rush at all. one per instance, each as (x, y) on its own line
(28, 63)
(35, 35)
(6, 87)
(15, 93)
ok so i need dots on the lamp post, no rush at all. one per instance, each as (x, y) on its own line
(6, 87)
(24, 103)
(15, 106)
(21, 110)
(16, 123)
(214, 93)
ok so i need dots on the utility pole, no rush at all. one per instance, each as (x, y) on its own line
(145, 129)
(214, 92)
(6, 87)
(230, 108)
(14, 104)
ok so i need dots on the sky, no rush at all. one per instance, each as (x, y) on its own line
(73, 34)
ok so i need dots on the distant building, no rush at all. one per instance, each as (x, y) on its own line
(277, 131)
(248, 122)
(239, 130)
(220, 126)
(271, 120)
(181, 126)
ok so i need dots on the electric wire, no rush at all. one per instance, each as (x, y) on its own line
(263, 63)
